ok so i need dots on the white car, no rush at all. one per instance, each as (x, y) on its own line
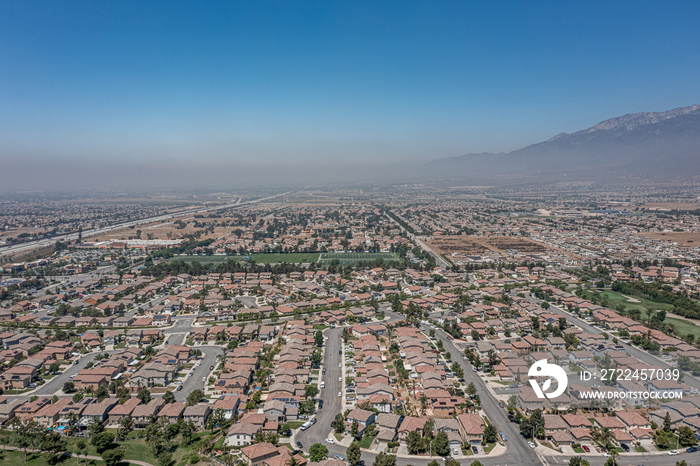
(340, 379)
(673, 452)
(606, 454)
(532, 445)
(204, 379)
(330, 440)
(340, 364)
(340, 394)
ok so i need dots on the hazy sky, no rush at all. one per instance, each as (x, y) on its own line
(228, 85)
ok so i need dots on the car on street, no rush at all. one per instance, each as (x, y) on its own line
(340, 394)
(300, 446)
(586, 449)
(204, 379)
(532, 445)
(692, 450)
(673, 452)
(503, 436)
(606, 454)
(340, 364)
(340, 379)
(500, 404)
(330, 440)
(179, 387)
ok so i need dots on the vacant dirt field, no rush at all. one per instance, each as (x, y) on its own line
(166, 230)
(671, 206)
(691, 238)
(479, 244)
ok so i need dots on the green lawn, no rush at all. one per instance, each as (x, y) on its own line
(367, 441)
(296, 257)
(644, 305)
(39, 459)
(138, 450)
(292, 425)
(488, 447)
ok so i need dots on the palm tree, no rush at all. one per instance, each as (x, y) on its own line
(423, 403)
(605, 437)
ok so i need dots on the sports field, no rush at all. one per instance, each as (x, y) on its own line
(349, 258)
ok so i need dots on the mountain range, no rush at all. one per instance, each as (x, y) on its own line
(654, 146)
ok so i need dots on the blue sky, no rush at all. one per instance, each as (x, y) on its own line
(329, 81)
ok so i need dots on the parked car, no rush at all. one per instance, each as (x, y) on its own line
(475, 450)
(300, 446)
(532, 445)
(673, 452)
(692, 449)
(340, 394)
(586, 449)
(330, 440)
(340, 457)
(503, 436)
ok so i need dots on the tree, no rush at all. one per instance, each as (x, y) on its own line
(125, 426)
(383, 459)
(102, 393)
(68, 387)
(187, 430)
(471, 389)
(144, 395)
(55, 444)
(194, 397)
(113, 456)
(95, 427)
(338, 423)
(451, 462)
(441, 444)
(354, 454)
(216, 419)
(311, 391)
(415, 443)
(318, 452)
(476, 463)
(318, 338)
(667, 422)
(168, 397)
(355, 430)
(54, 367)
(489, 434)
(686, 437)
(103, 441)
(578, 461)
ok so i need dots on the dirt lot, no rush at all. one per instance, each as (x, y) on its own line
(690, 238)
(165, 230)
(480, 244)
(671, 206)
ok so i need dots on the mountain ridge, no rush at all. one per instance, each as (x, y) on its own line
(647, 145)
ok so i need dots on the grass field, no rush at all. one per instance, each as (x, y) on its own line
(683, 327)
(258, 258)
(346, 258)
(39, 459)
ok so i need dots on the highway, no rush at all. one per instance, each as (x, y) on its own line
(31, 245)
